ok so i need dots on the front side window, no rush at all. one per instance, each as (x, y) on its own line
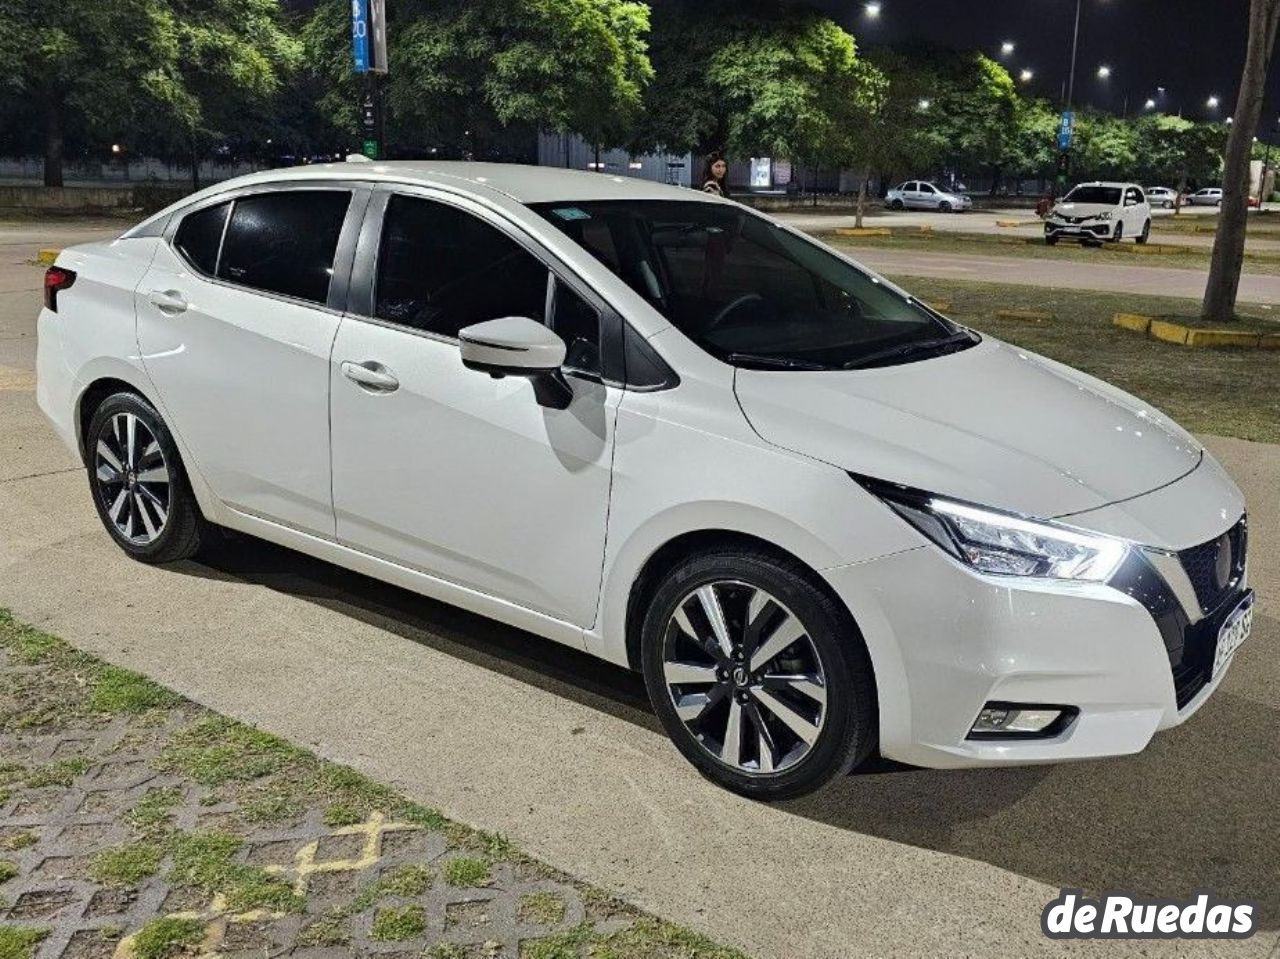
(200, 235)
(1105, 195)
(927, 188)
(752, 293)
(577, 322)
(284, 242)
(441, 269)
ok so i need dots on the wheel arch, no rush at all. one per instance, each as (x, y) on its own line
(93, 395)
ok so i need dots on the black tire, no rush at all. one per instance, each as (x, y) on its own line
(848, 727)
(896, 205)
(944, 207)
(1119, 234)
(1051, 240)
(1146, 233)
(183, 529)
(1168, 204)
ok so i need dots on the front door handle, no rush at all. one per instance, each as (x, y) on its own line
(169, 302)
(370, 375)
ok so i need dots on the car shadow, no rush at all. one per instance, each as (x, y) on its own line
(1196, 810)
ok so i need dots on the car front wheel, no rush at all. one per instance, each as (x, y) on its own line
(944, 207)
(758, 674)
(139, 487)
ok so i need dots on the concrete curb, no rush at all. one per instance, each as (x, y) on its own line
(1169, 332)
(1030, 316)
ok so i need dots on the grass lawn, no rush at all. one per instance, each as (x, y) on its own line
(985, 244)
(1260, 224)
(1227, 392)
(211, 837)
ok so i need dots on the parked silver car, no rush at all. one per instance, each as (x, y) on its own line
(923, 195)
(1162, 197)
(1209, 196)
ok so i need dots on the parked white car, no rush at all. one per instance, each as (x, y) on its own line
(1162, 197)
(1098, 212)
(1209, 196)
(819, 517)
(923, 195)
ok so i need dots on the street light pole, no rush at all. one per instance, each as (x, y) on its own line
(1064, 136)
(1075, 45)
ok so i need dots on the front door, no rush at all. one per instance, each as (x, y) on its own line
(450, 471)
(235, 334)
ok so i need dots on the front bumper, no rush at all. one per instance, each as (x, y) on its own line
(945, 641)
(1102, 230)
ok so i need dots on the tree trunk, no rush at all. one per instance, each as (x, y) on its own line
(598, 170)
(53, 140)
(1228, 244)
(195, 164)
(862, 204)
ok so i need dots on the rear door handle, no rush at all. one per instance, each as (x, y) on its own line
(370, 375)
(169, 302)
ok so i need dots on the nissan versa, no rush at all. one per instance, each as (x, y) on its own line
(819, 517)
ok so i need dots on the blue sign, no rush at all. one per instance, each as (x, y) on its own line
(360, 46)
(1066, 128)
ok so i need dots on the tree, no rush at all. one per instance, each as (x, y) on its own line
(975, 111)
(224, 63)
(83, 62)
(473, 70)
(1178, 152)
(1228, 244)
(1106, 146)
(754, 78)
(1032, 149)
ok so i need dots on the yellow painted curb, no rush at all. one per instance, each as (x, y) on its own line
(46, 257)
(1132, 321)
(1222, 338)
(1168, 332)
(1015, 223)
(1035, 316)
(864, 231)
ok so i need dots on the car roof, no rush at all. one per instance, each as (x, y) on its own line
(519, 182)
(1113, 183)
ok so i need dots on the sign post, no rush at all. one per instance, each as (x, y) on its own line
(1066, 132)
(369, 57)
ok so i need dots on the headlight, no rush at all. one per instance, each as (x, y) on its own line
(1004, 544)
(1103, 216)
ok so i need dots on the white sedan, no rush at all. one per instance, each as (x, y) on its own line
(819, 517)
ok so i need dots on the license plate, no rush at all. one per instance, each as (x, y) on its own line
(1234, 631)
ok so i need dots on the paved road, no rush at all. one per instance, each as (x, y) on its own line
(1071, 274)
(508, 732)
(988, 221)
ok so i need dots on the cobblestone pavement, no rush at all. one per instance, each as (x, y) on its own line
(136, 824)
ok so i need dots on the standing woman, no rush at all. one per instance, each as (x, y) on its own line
(714, 172)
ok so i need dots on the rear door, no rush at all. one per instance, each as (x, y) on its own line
(235, 325)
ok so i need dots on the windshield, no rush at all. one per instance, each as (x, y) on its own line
(1106, 195)
(750, 292)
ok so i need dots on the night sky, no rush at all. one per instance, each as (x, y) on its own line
(1192, 48)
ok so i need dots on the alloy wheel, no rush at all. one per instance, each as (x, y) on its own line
(133, 480)
(744, 677)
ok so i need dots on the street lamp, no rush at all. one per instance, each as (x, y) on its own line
(1149, 105)
(873, 10)
(1212, 103)
(1006, 48)
(925, 104)
(1104, 72)
(1026, 75)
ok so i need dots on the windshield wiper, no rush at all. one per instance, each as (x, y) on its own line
(939, 346)
(780, 362)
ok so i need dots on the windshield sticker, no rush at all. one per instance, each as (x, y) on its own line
(571, 213)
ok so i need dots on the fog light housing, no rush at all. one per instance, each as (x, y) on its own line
(1021, 721)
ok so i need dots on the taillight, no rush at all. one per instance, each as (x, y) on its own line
(56, 278)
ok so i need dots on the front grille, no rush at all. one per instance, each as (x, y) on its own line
(1216, 567)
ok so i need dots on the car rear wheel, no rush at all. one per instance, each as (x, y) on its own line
(139, 486)
(758, 674)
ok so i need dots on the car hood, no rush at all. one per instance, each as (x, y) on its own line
(992, 424)
(1083, 209)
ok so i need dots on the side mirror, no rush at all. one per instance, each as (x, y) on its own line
(518, 346)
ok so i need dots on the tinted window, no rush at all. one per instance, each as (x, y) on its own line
(440, 269)
(285, 242)
(199, 235)
(578, 324)
(927, 188)
(750, 292)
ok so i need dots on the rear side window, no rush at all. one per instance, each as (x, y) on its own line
(285, 242)
(199, 236)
